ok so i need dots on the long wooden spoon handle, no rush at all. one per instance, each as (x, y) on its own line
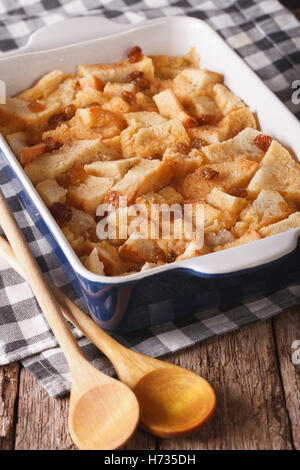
(79, 318)
(35, 278)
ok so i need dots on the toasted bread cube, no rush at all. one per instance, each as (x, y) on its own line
(44, 87)
(117, 105)
(225, 99)
(248, 237)
(146, 176)
(116, 89)
(99, 117)
(20, 110)
(293, 221)
(144, 119)
(239, 229)
(88, 195)
(91, 82)
(109, 255)
(242, 145)
(113, 169)
(27, 154)
(141, 250)
(153, 140)
(168, 67)
(279, 172)
(51, 165)
(51, 192)
(224, 201)
(93, 263)
(118, 72)
(227, 128)
(17, 141)
(144, 103)
(170, 107)
(194, 248)
(192, 81)
(88, 96)
(268, 208)
(220, 238)
(171, 196)
(76, 231)
(230, 174)
(203, 105)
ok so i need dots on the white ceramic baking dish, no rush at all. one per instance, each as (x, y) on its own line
(91, 40)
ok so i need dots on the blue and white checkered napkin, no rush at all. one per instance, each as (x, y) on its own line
(267, 36)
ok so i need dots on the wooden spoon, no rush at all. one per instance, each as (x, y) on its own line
(103, 411)
(173, 401)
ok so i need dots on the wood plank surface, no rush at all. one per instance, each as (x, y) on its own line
(8, 396)
(42, 421)
(286, 331)
(251, 413)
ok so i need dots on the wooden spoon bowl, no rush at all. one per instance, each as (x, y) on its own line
(174, 401)
(104, 417)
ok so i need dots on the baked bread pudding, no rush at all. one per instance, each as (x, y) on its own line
(151, 131)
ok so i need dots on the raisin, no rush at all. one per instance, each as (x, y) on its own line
(205, 119)
(128, 96)
(61, 212)
(263, 141)
(135, 54)
(197, 144)
(36, 107)
(51, 145)
(191, 122)
(91, 105)
(182, 148)
(238, 192)
(171, 257)
(209, 173)
(57, 119)
(62, 180)
(70, 111)
(138, 78)
(76, 176)
(154, 156)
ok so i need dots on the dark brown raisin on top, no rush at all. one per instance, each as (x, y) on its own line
(91, 105)
(35, 107)
(205, 119)
(128, 96)
(154, 156)
(238, 192)
(171, 257)
(61, 212)
(138, 78)
(57, 119)
(70, 111)
(197, 144)
(209, 173)
(191, 122)
(135, 54)
(51, 145)
(263, 141)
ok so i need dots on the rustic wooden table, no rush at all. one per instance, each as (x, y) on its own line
(257, 386)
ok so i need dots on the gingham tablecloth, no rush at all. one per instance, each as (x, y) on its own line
(267, 36)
